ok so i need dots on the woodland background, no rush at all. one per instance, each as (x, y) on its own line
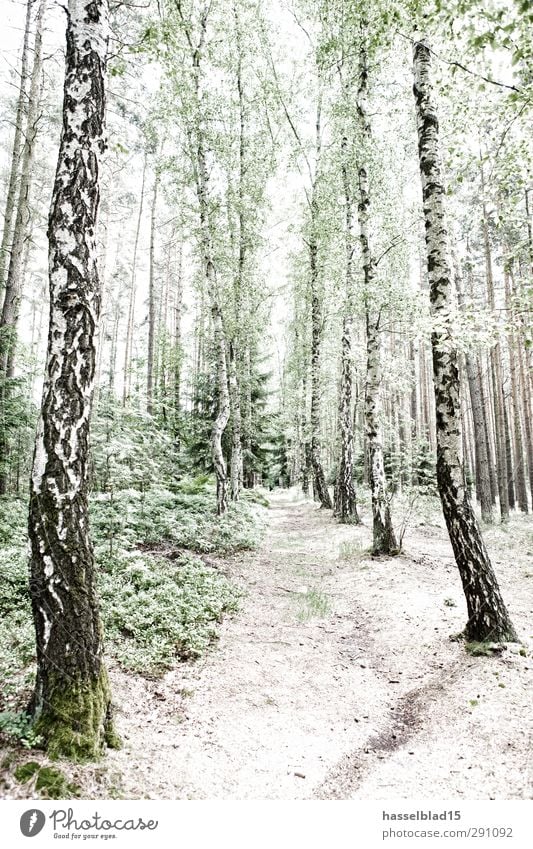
(249, 339)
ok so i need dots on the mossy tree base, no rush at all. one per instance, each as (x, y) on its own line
(76, 720)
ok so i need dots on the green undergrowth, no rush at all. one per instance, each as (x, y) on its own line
(48, 782)
(126, 518)
(156, 609)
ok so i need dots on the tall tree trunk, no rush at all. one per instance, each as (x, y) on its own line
(247, 411)
(71, 703)
(496, 373)
(345, 498)
(20, 236)
(223, 413)
(384, 539)
(478, 415)
(235, 347)
(197, 145)
(236, 466)
(306, 470)
(11, 194)
(320, 488)
(489, 433)
(11, 357)
(102, 330)
(176, 351)
(13, 289)
(319, 479)
(151, 303)
(488, 618)
(526, 406)
(527, 190)
(126, 387)
(509, 458)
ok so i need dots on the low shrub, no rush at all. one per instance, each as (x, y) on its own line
(156, 610)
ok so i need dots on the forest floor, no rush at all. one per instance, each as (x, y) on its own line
(336, 679)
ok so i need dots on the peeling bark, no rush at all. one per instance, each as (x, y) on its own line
(384, 539)
(71, 703)
(488, 618)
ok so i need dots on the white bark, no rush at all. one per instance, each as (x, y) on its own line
(488, 617)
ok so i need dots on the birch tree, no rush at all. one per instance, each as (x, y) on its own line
(71, 703)
(384, 540)
(488, 619)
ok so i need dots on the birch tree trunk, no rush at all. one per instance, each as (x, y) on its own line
(71, 703)
(319, 480)
(384, 540)
(305, 448)
(236, 465)
(345, 498)
(320, 488)
(488, 618)
(237, 342)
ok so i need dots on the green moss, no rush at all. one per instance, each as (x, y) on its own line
(112, 739)
(24, 772)
(52, 784)
(477, 649)
(76, 723)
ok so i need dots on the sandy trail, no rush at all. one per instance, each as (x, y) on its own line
(337, 679)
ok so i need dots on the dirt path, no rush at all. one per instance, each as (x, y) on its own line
(336, 680)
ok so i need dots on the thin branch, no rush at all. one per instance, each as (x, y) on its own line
(394, 244)
(462, 67)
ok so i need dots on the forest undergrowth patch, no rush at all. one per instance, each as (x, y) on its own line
(156, 610)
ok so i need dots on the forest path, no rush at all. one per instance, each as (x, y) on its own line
(336, 679)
